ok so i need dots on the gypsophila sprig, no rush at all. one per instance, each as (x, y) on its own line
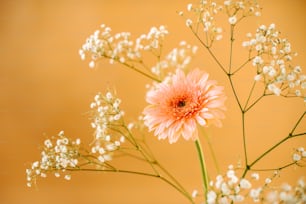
(183, 102)
(178, 58)
(272, 57)
(201, 17)
(59, 153)
(122, 49)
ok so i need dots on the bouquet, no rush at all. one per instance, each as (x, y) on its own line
(184, 102)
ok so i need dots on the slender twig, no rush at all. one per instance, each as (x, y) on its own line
(276, 169)
(246, 109)
(138, 173)
(241, 66)
(250, 94)
(213, 154)
(174, 180)
(235, 93)
(244, 140)
(290, 135)
(232, 39)
(210, 52)
(297, 123)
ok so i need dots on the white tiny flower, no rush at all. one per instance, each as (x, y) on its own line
(43, 175)
(245, 44)
(227, 2)
(194, 193)
(296, 157)
(101, 150)
(91, 64)
(219, 37)
(48, 143)
(78, 141)
(57, 174)
(68, 177)
(117, 143)
(107, 138)
(189, 7)
(255, 176)
(232, 20)
(257, 77)
(188, 22)
(257, 13)
(101, 158)
(298, 93)
(268, 181)
(244, 183)
(211, 197)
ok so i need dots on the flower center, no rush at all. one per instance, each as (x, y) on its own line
(181, 103)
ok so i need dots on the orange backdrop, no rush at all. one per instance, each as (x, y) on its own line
(45, 88)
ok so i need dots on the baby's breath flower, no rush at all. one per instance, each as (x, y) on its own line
(119, 47)
(232, 20)
(59, 153)
(273, 56)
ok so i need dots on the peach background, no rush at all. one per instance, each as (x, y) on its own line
(45, 88)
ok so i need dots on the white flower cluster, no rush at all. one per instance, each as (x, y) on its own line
(205, 13)
(288, 194)
(177, 58)
(59, 154)
(229, 188)
(299, 154)
(106, 120)
(119, 47)
(205, 16)
(273, 56)
(236, 10)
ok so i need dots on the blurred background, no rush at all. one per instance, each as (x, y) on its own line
(46, 88)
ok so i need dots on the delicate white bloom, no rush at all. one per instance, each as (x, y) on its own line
(296, 157)
(232, 20)
(67, 177)
(194, 193)
(244, 183)
(257, 77)
(255, 176)
(188, 22)
(91, 64)
(211, 197)
(274, 89)
(268, 181)
(189, 7)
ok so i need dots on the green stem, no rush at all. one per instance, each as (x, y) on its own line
(213, 154)
(203, 166)
(178, 185)
(290, 135)
(231, 49)
(210, 52)
(244, 140)
(138, 173)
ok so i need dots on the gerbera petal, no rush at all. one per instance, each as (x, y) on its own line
(178, 105)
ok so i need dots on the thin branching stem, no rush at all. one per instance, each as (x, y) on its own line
(276, 169)
(137, 173)
(290, 135)
(210, 51)
(244, 139)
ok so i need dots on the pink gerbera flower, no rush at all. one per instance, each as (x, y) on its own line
(178, 106)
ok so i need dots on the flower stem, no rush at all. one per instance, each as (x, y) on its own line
(203, 166)
(212, 152)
